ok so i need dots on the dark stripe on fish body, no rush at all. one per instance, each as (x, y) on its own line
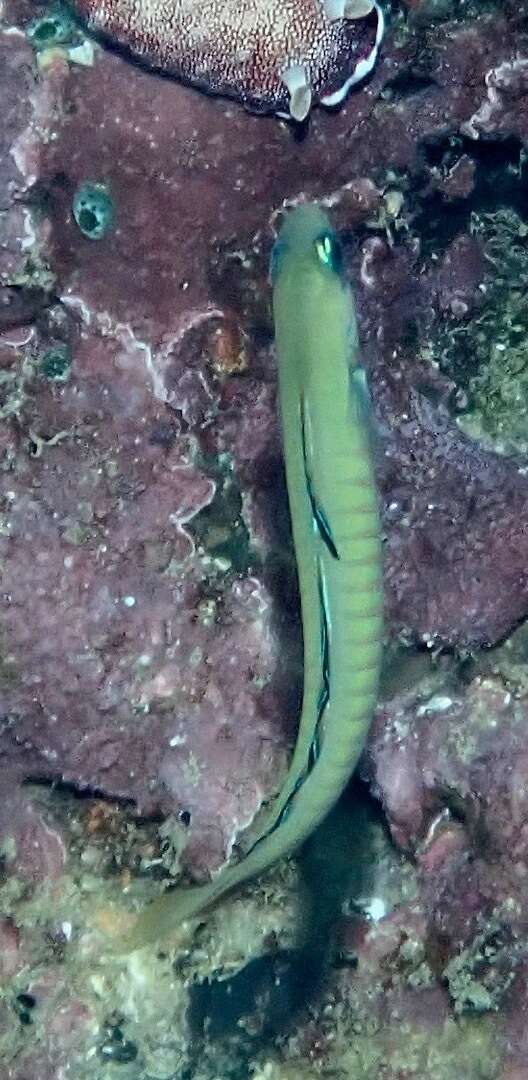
(319, 515)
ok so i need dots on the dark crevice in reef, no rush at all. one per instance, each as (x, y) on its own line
(266, 999)
(499, 182)
(431, 12)
(406, 84)
(275, 984)
(220, 528)
(238, 283)
(84, 793)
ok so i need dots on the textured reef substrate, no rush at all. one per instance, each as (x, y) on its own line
(150, 666)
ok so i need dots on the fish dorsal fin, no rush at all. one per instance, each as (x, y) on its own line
(295, 78)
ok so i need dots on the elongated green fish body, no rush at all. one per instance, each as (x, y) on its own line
(333, 505)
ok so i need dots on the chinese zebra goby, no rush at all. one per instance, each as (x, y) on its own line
(326, 426)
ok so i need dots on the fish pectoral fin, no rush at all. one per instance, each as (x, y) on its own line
(334, 9)
(347, 9)
(361, 393)
(364, 409)
(358, 9)
(295, 78)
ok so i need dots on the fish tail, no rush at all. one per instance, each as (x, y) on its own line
(165, 916)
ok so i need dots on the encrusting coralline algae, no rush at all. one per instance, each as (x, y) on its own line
(150, 644)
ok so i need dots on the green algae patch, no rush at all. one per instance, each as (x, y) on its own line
(480, 977)
(460, 1048)
(94, 210)
(487, 355)
(56, 28)
(55, 363)
(219, 529)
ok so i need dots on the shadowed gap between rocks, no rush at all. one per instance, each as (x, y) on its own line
(264, 1000)
(499, 182)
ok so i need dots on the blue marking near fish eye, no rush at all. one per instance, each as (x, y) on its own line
(278, 252)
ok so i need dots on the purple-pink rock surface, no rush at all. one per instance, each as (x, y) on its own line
(150, 660)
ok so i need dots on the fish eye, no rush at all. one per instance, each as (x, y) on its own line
(329, 252)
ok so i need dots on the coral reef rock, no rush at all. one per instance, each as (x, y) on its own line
(150, 662)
